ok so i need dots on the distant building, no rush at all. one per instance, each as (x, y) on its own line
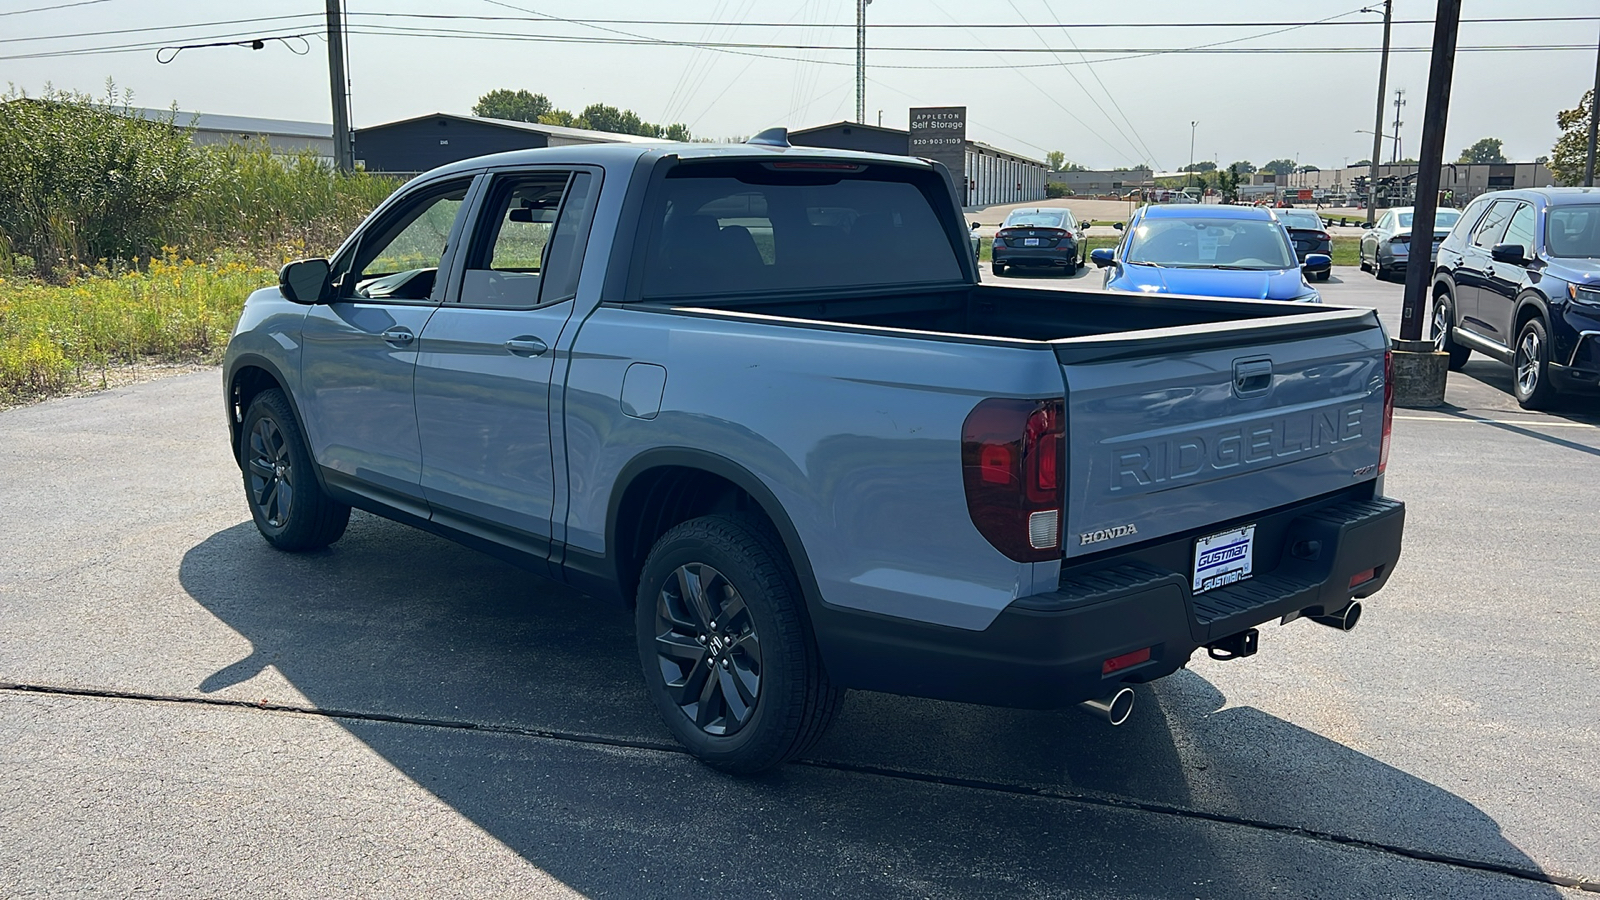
(1464, 180)
(281, 135)
(1103, 181)
(416, 145)
(992, 176)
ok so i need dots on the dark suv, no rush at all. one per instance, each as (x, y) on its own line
(1518, 279)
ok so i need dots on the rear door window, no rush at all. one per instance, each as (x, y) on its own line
(1520, 230)
(529, 241)
(756, 228)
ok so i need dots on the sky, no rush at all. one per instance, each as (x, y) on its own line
(1101, 109)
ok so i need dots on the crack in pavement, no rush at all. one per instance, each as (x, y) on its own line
(1582, 883)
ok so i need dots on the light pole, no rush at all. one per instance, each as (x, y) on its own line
(1190, 179)
(861, 61)
(1377, 125)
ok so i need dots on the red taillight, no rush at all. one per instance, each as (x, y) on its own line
(1116, 663)
(1012, 461)
(1321, 236)
(1400, 239)
(1388, 410)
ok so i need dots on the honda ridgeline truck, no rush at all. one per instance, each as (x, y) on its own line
(758, 393)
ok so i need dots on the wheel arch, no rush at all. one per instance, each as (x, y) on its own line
(248, 376)
(1529, 306)
(662, 487)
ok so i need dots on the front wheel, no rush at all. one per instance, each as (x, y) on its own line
(727, 654)
(1532, 367)
(286, 500)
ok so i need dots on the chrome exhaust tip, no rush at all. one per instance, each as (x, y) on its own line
(1114, 707)
(1344, 620)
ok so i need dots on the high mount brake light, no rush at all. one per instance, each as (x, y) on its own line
(835, 167)
(1388, 410)
(1013, 461)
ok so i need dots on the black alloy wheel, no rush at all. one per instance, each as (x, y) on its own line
(1439, 331)
(708, 649)
(270, 472)
(726, 649)
(1531, 367)
(286, 500)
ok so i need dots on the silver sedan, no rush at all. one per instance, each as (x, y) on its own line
(1386, 246)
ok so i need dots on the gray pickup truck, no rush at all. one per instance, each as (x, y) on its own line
(758, 393)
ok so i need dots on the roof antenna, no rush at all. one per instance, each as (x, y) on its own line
(772, 137)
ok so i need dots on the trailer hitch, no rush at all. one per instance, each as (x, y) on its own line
(1235, 646)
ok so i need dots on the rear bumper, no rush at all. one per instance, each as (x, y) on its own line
(1063, 254)
(1048, 650)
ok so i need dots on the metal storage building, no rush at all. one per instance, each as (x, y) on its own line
(992, 176)
(415, 145)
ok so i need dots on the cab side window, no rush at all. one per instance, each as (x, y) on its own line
(1493, 225)
(526, 252)
(398, 258)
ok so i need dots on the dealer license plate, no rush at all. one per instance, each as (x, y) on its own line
(1224, 559)
(1030, 242)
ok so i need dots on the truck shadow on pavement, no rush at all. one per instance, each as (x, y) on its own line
(519, 703)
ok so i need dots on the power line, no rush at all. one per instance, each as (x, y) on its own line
(18, 12)
(879, 26)
(1068, 35)
(83, 34)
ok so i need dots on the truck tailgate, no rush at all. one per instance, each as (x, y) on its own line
(1209, 429)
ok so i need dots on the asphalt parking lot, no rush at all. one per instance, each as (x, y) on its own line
(186, 712)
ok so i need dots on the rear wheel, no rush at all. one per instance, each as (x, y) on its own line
(286, 500)
(1443, 341)
(1532, 367)
(727, 653)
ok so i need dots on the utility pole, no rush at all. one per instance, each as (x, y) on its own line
(343, 153)
(861, 60)
(1594, 121)
(1399, 101)
(1419, 273)
(1190, 180)
(1377, 126)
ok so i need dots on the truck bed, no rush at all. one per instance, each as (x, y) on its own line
(1065, 317)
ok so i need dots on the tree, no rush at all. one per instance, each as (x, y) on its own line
(1360, 163)
(1309, 168)
(1542, 159)
(1202, 166)
(1055, 159)
(1486, 150)
(1228, 182)
(1242, 167)
(1279, 166)
(518, 106)
(1567, 157)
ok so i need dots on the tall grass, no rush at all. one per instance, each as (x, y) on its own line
(122, 241)
(55, 336)
(88, 183)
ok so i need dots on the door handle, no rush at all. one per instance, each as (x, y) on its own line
(526, 345)
(398, 336)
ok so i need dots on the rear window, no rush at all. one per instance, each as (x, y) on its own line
(1036, 219)
(750, 227)
(1573, 231)
(1300, 220)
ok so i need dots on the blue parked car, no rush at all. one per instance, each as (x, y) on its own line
(1518, 280)
(1214, 251)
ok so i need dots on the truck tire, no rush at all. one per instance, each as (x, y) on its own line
(280, 484)
(1530, 376)
(1443, 341)
(727, 652)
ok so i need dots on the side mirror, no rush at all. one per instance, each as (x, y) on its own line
(974, 226)
(1117, 225)
(1102, 257)
(1317, 262)
(304, 280)
(1515, 254)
